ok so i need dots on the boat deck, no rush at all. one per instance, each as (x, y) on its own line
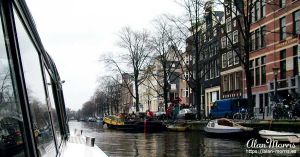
(76, 146)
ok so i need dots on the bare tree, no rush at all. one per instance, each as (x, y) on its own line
(88, 109)
(137, 56)
(165, 43)
(193, 23)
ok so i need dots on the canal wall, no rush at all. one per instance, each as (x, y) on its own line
(279, 125)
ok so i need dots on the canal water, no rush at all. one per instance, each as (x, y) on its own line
(175, 144)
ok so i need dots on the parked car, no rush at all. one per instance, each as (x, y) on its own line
(160, 115)
(187, 114)
(92, 119)
(227, 107)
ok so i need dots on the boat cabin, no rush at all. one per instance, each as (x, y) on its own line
(33, 120)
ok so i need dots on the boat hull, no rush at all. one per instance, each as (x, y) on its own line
(139, 126)
(226, 128)
(280, 136)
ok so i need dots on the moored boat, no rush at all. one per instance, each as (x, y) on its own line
(280, 136)
(225, 126)
(115, 122)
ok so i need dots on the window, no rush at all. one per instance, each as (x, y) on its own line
(229, 40)
(263, 8)
(230, 58)
(53, 110)
(263, 70)
(282, 28)
(266, 99)
(231, 82)
(238, 81)
(225, 83)
(261, 102)
(295, 54)
(227, 8)
(186, 75)
(36, 91)
(282, 3)
(217, 68)
(224, 60)
(252, 14)
(296, 22)
(223, 42)
(263, 36)
(187, 59)
(187, 92)
(228, 24)
(234, 23)
(235, 36)
(257, 76)
(258, 71)
(257, 39)
(257, 62)
(236, 57)
(283, 64)
(263, 75)
(257, 11)
(252, 41)
(234, 12)
(11, 120)
(212, 69)
(207, 73)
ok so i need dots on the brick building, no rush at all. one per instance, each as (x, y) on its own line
(275, 25)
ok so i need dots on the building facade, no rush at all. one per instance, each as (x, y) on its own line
(275, 28)
(209, 58)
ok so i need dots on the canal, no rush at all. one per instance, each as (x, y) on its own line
(179, 144)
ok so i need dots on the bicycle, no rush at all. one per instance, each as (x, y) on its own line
(243, 114)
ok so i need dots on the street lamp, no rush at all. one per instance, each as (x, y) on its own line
(275, 72)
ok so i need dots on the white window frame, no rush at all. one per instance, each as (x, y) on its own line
(235, 36)
(234, 22)
(187, 58)
(234, 57)
(228, 24)
(223, 42)
(223, 62)
(229, 57)
(229, 36)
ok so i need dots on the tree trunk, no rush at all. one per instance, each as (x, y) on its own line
(249, 89)
(137, 100)
(165, 88)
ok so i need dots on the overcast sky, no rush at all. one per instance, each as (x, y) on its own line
(77, 32)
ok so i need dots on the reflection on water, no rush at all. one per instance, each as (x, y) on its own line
(181, 144)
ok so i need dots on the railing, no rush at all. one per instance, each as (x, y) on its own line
(284, 84)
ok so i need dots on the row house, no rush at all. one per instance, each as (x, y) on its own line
(151, 88)
(210, 58)
(231, 67)
(275, 26)
(274, 50)
(148, 91)
(126, 96)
